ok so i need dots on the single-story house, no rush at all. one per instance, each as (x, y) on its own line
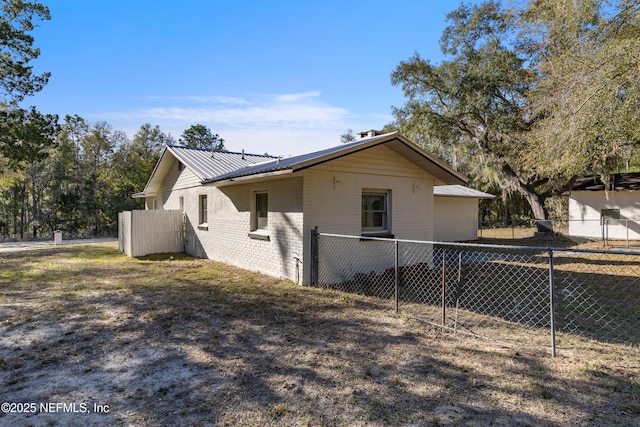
(455, 212)
(612, 208)
(258, 212)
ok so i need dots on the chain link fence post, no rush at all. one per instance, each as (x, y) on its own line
(397, 276)
(444, 281)
(314, 257)
(552, 315)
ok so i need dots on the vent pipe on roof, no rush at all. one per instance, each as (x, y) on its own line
(242, 154)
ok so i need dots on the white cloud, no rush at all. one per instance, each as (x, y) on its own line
(294, 97)
(284, 124)
(201, 99)
(252, 116)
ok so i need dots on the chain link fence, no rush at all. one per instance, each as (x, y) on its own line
(610, 232)
(527, 296)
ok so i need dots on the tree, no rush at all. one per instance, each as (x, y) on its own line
(133, 164)
(26, 136)
(471, 108)
(200, 136)
(588, 91)
(347, 137)
(17, 19)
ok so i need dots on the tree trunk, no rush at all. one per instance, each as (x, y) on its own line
(535, 201)
(23, 209)
(527, 191)
(34, 201)
(506, 217)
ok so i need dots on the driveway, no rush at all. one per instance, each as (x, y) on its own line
(20, 246)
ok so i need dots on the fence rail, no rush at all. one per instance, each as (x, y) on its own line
(529, 296)
(612, 232)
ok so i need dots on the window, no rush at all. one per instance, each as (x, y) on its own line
(261, 218)
(375, 212)
(202, 217)
(612, 216)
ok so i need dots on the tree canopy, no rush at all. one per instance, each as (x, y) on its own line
(200, 136)
(17, 80)
(25, 135)
(528, 97)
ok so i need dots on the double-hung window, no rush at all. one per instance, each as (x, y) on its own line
(375, 212)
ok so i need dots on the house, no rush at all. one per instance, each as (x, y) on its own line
(258, 212)
(606, 210)
(455, 212)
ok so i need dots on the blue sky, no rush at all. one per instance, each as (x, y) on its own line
(284, 77)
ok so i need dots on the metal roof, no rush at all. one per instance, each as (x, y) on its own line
(223, 166)
(460, 191)
(393, 140)
(617, 182)
(207, 164)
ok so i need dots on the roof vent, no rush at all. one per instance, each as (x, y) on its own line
(242, 154)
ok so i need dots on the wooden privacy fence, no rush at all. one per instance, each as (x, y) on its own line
(150, 232)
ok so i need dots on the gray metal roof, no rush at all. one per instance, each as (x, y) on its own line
(207, 164)
(219, 166)
(393, 140)
(460, 191)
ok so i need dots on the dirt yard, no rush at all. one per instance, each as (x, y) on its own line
(91, 337)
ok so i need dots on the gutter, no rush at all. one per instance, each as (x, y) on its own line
(244, 178)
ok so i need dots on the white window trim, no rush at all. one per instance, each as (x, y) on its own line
(203, 225)
(378, 231)
(255, 232)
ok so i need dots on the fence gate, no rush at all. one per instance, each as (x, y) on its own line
(150, 232)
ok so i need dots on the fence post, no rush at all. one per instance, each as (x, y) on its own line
(458, 291)
(397, 276)
(627, 223)
(444, 275)
(552, 305)
(314, 257)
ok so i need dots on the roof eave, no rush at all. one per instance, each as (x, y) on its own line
(447, 174)
(245, 178)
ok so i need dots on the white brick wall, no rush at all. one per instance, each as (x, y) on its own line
(328, 196)
(333, 198)
(226, 237)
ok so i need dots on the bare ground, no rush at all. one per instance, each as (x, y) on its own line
(95, 338)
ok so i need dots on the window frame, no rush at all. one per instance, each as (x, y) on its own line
(203, 210)
(256, 224)
(258, 231)
(384, 229)
(612, 215)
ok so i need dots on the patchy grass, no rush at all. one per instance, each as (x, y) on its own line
(183, 341)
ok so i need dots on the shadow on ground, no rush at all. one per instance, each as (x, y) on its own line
(192, 342)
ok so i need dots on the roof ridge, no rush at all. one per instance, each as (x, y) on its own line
(206, 150)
